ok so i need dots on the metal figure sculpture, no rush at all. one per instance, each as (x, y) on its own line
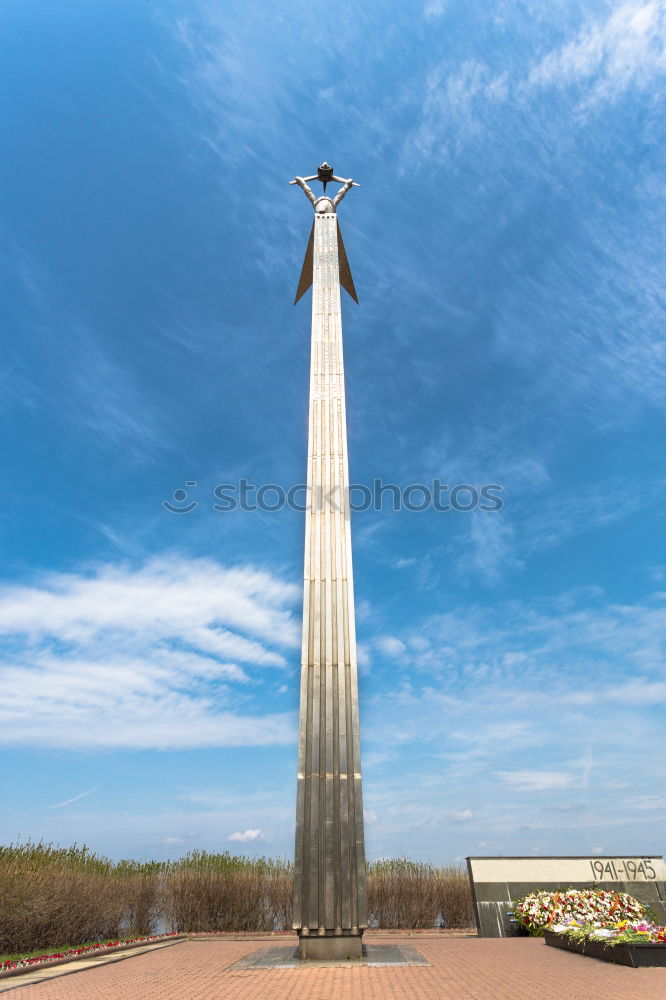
(325, 206)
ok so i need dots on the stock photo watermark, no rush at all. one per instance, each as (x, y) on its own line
(380, 496)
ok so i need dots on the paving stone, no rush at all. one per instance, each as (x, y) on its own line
(461, 968)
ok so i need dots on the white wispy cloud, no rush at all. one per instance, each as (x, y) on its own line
(168, 596)
(145, 656)
(537, 781)
(563, 637)
(577, 309)
(603, 58)
(536, 520)
(625, 49)
(391, 646)
(462, 815)
(538, 513)
(493, 549)
(450, 111)
(92, 392)
(75, 798)
(558, 697)
(435, 8)
(246, 837)
(638, 692)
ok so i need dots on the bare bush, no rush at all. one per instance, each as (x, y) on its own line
(402, 893)
(409, 894)
(139, 891)
(279, 894)
(220, 892)
(454, 897)
(52, 896)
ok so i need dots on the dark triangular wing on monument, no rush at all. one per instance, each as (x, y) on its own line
(306, 274)
(346, 279)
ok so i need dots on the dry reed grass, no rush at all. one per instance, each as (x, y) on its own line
(50, 895)
(418, 895)
(219, 892)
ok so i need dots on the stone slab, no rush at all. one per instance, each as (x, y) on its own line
(374, 956)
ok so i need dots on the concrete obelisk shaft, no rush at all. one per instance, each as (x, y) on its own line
(330, 907)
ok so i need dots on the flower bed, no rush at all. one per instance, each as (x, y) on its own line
(72, 953)
(539, 911)
(638, 944)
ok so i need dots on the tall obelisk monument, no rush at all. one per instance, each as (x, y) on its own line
(330, 903)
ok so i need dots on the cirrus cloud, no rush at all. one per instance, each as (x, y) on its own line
(161, 655)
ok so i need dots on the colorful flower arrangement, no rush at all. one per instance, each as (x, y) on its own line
(539, 911)
(23, 963)
(623, 932)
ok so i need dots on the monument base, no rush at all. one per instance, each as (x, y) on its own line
(330, 948)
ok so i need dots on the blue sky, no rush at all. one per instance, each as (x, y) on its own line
(507, 246)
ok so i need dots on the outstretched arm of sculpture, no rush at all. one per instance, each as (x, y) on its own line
(346, 185)
(308, 190)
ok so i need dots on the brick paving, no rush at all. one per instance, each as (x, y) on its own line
(461, 969)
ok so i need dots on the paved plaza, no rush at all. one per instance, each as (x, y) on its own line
(461, 968)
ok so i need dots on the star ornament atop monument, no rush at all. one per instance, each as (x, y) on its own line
(330, 896)
(325, 206)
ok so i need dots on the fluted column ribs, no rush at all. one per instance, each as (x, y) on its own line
(329, 886)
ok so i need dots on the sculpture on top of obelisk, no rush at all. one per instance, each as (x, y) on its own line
(330, 899)
(325, 206)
